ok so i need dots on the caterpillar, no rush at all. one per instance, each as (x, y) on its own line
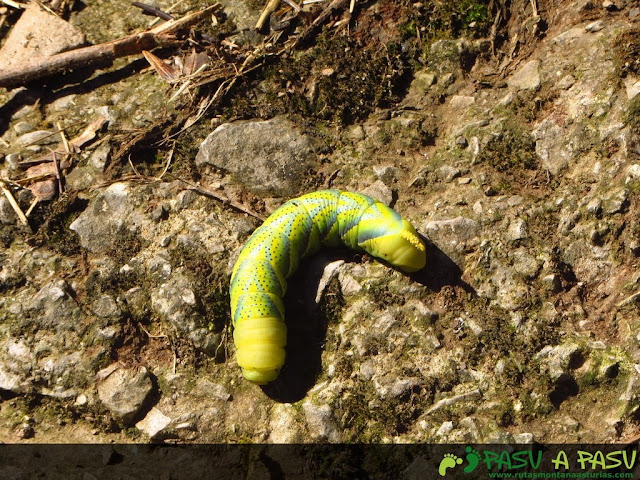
(297, 229)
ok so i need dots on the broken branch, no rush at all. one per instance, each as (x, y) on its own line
(102, 54)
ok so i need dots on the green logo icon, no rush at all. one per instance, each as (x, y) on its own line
(450, 461)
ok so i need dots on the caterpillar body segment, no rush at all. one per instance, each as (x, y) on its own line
(297, 229)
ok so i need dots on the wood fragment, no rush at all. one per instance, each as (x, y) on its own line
(102, 54)
(270, 7)
(166, 72)
(13, 203)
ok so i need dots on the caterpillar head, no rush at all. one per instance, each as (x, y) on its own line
(393, 239)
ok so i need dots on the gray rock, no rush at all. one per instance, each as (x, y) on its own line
(452, 235)
(448, 173)
(269, 157)
(379, 191)
(527, 78)
(99, 225)
(616, 201)
(595, 26)
(176, 301)
(557, 361)
(154, 424)
(472, 396)
(36, 137)
(320, 421)
(551, 146)
(105, 306)
(22, 127)
(124, 391)
(100, 157)
(391, 387)
(518, 229)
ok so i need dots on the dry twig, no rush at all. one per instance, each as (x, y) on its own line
(104, 53)
(270, 7)
(222, 198)
(13, 202)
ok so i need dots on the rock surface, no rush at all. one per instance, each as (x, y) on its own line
(520, 167)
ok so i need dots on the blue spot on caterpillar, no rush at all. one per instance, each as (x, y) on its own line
(272, 254)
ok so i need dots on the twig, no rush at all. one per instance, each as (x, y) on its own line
(58, 174)
(13, 203)
(352, 6)
(270, 7)
(104, 53)
(64, 138)
(149, 10)
(133, 167)
(293, 5)
(222, 198)
(13, 4)
(152, 336)
(32, 206)
(166, 167)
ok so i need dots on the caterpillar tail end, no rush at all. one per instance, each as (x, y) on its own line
(260, 350)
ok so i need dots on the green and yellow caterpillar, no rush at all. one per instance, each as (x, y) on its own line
(297, 229)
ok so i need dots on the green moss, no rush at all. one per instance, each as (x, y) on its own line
(337, 80)
(53, 225)
(632, 115)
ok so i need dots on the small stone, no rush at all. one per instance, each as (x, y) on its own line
(594, 207)
(100, 157)
(105, 306)
(616, 201)
(124, 391)
(523, 438)
(445, 428)
(13, 161)
(552, 282)
(321, 423)
(632, 86)
(280, 154)
(609, 5)
(518, 230)
(380, 191)
(462, 142)
(386, 173)
(595, 26)
(448, 173)
(154, 423)
(527, 78)
(81, 400)
(158, 214)
(634, 12)
(566, 82)
(22, 127)
(461, 102)
(25, 431)
(356, 133)
(390, 387)
(36, 137)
